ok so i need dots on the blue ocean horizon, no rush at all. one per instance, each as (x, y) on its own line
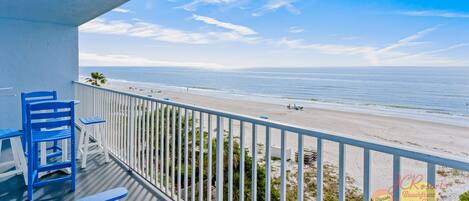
(429, 91)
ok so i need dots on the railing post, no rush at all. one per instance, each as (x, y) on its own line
(300, 166)
(209, 167)
(230, 160)
(319, 179)
(219, 176)
(366, 174)
(194, 146)
(431, 180)
(342, 171)
(94, 101)
(130, 128)
(241, 161)
(283, 167)
(396, 177)
(254, 163)
(267, 162)
(201, 156)
(186, 154)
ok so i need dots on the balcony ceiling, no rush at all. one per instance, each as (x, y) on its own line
(67, 12)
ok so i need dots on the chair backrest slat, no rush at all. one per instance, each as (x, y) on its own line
(49, 115)
(32, 97)
(35, 94)
(50, 124)
(49, 105)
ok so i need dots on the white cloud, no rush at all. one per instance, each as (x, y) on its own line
(452, 47)
(157, 32)
(142, 29)
(122, 10)
(295, 29)
(389, 55)
(419, 60)
(193, 5)
(326, 48)
(409, 40)
(431, 53)
(236, 28)
(273, 5)
(434, 13)
(93, 59)
(333, 49)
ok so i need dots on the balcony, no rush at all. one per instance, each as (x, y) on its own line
(164, 150)
(97, 177)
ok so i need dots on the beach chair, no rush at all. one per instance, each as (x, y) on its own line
(110, 195)
(47, 122)
(18, 154)
(33, 97)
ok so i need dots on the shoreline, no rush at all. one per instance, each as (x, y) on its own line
(427, 135)
(395, 111)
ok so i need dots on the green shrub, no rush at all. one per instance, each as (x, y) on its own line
(464, 196)
(331, 182)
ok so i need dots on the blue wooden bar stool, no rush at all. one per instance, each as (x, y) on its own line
(33, 97)
(18, 154)
(47, 122)
(92, 128)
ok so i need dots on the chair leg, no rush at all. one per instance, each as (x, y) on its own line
(14, 151)
(1, 148)
(24, 143)
(74, 163)
(80, 142)
(16, 142)
(104, 141)
(30, 171)
(85, 150)
(35, 156)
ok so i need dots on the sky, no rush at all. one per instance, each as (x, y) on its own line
(278, 33)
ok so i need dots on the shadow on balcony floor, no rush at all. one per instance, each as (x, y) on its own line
(97, 177)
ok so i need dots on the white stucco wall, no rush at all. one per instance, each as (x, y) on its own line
(35, 56)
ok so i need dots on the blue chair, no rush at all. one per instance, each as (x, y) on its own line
(110, 195)
(46, 122)
(33, 97)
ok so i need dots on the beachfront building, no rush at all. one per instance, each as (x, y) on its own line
(165, 150)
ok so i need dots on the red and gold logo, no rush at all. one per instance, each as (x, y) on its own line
(411, 187)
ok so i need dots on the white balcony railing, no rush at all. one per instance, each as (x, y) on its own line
(171, 145)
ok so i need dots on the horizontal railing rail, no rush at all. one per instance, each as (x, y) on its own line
(158, 138)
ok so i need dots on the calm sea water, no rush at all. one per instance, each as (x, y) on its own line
(441, 91)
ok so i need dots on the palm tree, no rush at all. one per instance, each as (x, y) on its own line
(96, 79)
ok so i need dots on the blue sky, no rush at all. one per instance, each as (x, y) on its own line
(278, 33)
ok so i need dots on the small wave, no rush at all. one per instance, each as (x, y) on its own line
(204, 88)
(440, 112)
(406, 107)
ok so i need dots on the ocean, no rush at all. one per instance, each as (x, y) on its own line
(431, 93)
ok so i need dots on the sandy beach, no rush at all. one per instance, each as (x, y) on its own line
(415, 133)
